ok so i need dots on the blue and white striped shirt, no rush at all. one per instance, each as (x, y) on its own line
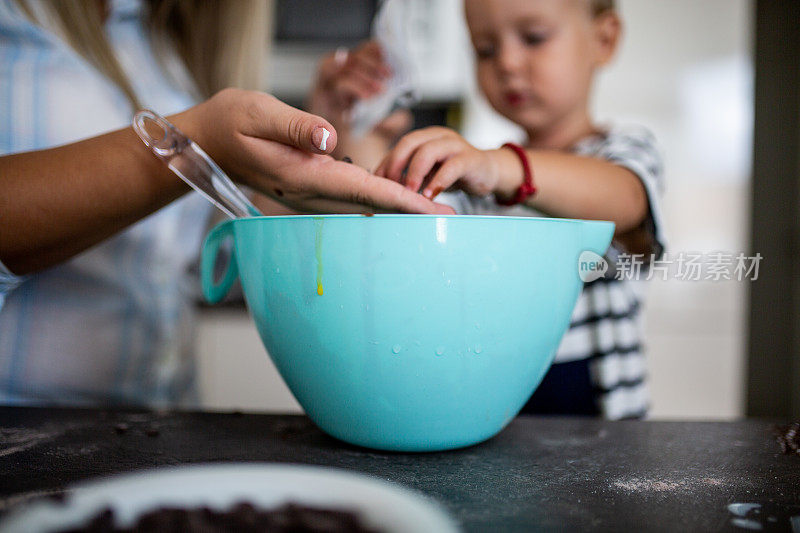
(113, 324)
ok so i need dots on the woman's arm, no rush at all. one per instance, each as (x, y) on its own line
(60, 201)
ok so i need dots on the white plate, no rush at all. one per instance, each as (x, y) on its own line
(382, 505)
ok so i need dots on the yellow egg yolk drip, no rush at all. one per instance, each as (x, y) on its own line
(318, 251)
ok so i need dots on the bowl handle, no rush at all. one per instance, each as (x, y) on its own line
(596, 236)
(214, 292)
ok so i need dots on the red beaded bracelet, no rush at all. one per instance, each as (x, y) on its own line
(527, 188)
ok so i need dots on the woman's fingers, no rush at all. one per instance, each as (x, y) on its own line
(326, 205)
(306, 181)
(357, 187)
(266, 117)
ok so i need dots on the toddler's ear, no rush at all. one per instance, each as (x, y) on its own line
(607, 34)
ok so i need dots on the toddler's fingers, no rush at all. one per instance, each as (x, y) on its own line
(350, 89)
(373, 49)
(425, 157)
(444, 178)
(380, 170)
(397, 160)
(371, 64)
(328, 66)
(363, 78)
(395, 124)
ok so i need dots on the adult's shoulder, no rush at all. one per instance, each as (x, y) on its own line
(18, 29)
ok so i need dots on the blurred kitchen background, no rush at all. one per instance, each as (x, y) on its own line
(685, 71)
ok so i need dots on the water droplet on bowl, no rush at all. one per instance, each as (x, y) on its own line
(277, 270)
(396, 348)
(440, 351)
(478, 349)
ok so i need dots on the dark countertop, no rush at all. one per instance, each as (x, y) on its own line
(538, 474)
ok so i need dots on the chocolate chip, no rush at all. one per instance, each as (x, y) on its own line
(243, 516)
(346, 159)
(101, 522)
(151, 432)
(121, 428)
(279, 192)
(58, 497)
(788, 438)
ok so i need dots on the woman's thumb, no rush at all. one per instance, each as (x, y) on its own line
(277, 121)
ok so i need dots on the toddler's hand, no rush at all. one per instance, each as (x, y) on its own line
(344, 77)
(439, 158)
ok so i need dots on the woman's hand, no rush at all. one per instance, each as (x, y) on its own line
(276, 149)
(436, 158)
(57, 202)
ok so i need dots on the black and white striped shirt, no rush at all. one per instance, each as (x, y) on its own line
(606, 327)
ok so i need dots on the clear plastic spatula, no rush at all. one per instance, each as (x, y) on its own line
(186, 159)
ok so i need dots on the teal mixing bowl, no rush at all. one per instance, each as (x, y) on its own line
(407, 332)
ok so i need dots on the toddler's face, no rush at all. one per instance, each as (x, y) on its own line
(536, 58)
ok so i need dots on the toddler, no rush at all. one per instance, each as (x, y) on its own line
(536, 62)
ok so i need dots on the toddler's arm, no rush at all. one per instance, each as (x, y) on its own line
(575, 186)
(568, 185)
